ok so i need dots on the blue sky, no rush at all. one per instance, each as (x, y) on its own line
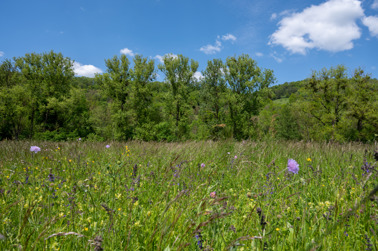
(292, 37)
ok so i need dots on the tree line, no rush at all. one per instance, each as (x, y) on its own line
(40, 98)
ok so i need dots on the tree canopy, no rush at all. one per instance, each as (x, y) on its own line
(41, 98)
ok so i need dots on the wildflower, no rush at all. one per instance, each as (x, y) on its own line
(292, 166)
(35, 149)
(213, 194)
(309, 159)
(203, 165)
(86, 229)
(107, 146)
(277, 229)
(199, 240)
(79, 139)
(236, 157)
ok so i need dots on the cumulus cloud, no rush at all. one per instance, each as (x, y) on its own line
(372, 23)
(161, 58)
(330, 26)
(198, 75)
(85, 70)
(1, 53)
(212, 49)
(217, 47)
(127, 52)
(228, 37)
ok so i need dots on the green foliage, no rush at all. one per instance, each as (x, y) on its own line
(40, 98)
(286, 89)
(14, 112)
(35, 91)
(116, 85)
(363, 106)
(340, 108)
(179, 74)
(248, 88)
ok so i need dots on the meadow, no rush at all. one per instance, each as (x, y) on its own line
(209, 195)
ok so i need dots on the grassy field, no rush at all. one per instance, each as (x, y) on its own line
(187, 196)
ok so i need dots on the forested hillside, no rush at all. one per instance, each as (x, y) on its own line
(40, 98)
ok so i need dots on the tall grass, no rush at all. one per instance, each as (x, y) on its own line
(187, 196)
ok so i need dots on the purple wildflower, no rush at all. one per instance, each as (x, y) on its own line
(35, 149)
(236, 157)
(79, 139)
(107, 146)
(199, 240)
(203, 165)
(292, 166)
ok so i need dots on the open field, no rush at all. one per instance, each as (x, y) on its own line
(222, 195)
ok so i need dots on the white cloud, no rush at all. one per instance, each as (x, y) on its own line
(372, 23)
(171, 55)
(273, 16)
(217, 47)
(212, 49)
(85, 70)
(161, 58)
(228, 37)
(330, 26)
(259, 54)
(198, 75)
(1, 53)
(375, 5)
(277, 58)
(127, 52)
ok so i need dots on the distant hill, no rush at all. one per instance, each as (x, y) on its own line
(286, 89)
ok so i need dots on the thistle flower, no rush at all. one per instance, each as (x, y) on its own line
(35, 149)
(292, 166)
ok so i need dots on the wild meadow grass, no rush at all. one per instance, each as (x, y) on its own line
(187, 196)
